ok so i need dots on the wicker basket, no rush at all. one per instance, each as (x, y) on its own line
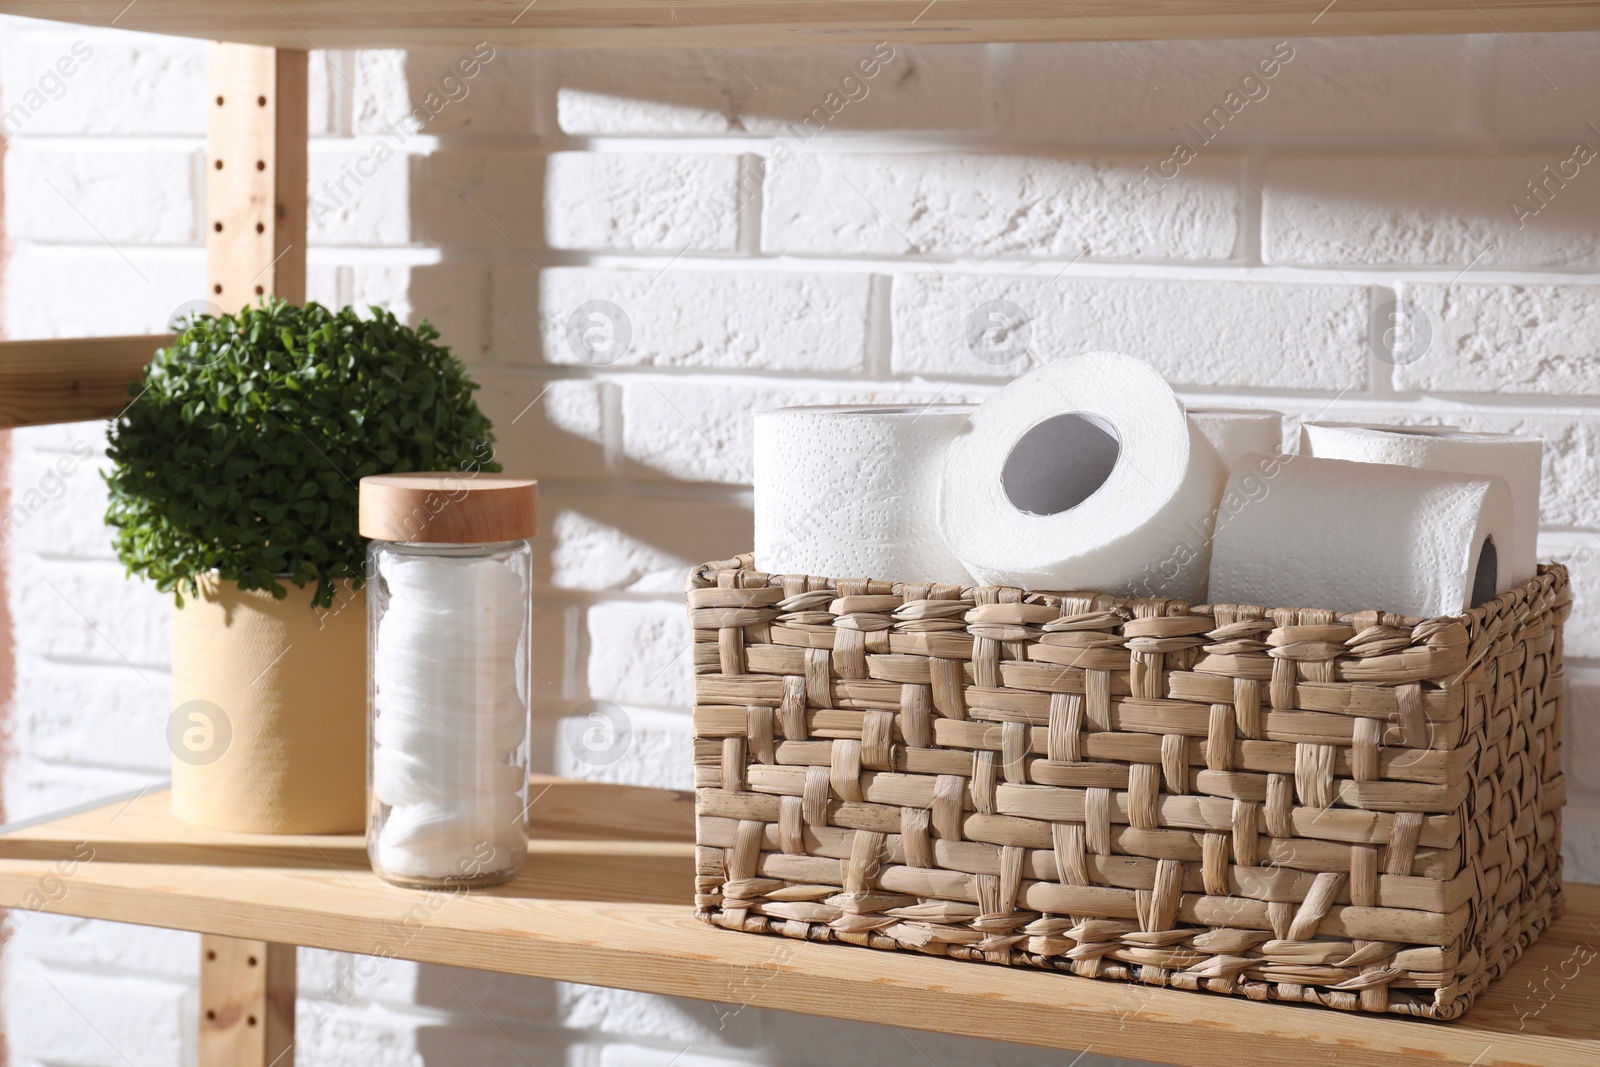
(1357, 811)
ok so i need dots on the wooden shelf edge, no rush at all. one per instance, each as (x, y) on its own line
(70, 379)
(604, 901)
(299, 24)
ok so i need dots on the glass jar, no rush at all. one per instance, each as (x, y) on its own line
(448, 677)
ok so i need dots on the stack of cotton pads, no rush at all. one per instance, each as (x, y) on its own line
(451, 717)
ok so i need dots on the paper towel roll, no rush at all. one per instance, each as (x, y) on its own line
(852, 492)
(1516, 459)
(1084, 474)
(1236, 432)
(1303, 532)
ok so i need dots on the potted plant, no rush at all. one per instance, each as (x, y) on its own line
(234, 476)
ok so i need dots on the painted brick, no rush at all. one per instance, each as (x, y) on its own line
(1443, 212)
(1571, 496)
(1581, 633)
(380, 99)
(772, 91)
(1546, 84)
(638, 543)
(82, 197)
(314, 968)
(674, 1020)
(736, 320)
(1330, 85)
(1537, 339)
(360, 192)
(852, 1044)
(1580, 733)
(618, 743)
(104, 947)
(480, 199)
(546, 428)
(128, 83)
(1030, 207)
(51, 495)
(100, 715)
(58, 437)
(402, 983)
(641, 202)
(109, 618)
(627, 1054)
(1580, 838)
(1195, 333)
(370, 1036)
(136, 1020)
(327, 107)
(639, 654)
(702, 431)
(446, 90)
(557, 641)
(454, 298)
(35, 787)
(134, 292)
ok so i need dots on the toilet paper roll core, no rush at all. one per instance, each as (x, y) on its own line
(1084, 474)
(1035, 480)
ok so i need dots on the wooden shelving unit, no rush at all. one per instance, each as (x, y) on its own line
(605, 900)
(689, 23)
(611, 906)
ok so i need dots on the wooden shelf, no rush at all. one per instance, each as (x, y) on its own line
(634, 23)
(611, 907)
(71, 379)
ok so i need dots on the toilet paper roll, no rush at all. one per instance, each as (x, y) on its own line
(1236, 432)
(1084, 474)
(852, 492)
(1304, 532)
(1516, 459)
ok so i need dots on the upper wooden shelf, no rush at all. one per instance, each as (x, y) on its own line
(636, 23)
(604, 900)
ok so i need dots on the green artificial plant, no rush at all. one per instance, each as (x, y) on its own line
(241, 449)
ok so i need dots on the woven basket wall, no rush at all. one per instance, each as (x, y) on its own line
(1357, 811)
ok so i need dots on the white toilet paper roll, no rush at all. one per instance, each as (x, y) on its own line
(852, 492)
(1303, 532)
(1236, 432)
(1084, 474)
(1516, 459)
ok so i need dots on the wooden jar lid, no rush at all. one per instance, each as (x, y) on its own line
(449, 507)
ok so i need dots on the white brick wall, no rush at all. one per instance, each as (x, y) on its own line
(766, 227)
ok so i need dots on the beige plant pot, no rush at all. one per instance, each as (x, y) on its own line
(269, 724)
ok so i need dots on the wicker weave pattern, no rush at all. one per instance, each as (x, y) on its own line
(1358, 811)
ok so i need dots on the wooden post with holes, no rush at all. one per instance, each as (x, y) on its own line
(255, 245)
(255, 174)
(246, 1003)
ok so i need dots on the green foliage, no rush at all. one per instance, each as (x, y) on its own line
(241, 449)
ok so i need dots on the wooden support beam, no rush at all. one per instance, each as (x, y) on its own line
(255, 174)
(72, 379)
(255, 245)
(246, 1003)
(742, 23)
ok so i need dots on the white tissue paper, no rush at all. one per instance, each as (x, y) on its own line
(1084, 474)
(1516, 459)
(852, 492)
(1236, 432)
(1304, 532)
